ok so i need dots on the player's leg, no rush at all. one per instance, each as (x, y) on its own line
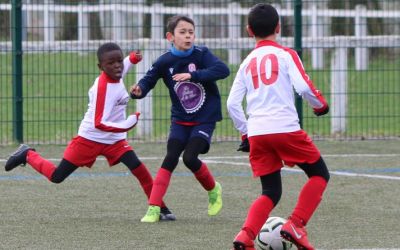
(63, 170)
(25, 154)
(162, 179)
(18, 157)
(298, 147)
(195, 146)
(140, 171)
(259, 210)
(312, 191)
(308, 201)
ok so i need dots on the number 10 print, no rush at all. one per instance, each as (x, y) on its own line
(272, 70)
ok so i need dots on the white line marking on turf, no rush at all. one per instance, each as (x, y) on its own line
(323, 155)
(246, 157)
(209, 159)
(340, 173)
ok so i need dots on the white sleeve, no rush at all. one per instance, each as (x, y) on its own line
(121, 126)
(234, 103)
(127, 66)
(303, 84)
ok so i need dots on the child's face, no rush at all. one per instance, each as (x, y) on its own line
(112, 63)
(183, 36)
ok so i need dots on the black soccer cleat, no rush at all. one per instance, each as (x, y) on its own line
(18, 157)
(166, 214)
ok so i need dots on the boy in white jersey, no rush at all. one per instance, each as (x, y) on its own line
(103, 130)
(267, 78)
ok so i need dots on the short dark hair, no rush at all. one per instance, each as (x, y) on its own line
(263, 19)
(106, 47)
(174, 20)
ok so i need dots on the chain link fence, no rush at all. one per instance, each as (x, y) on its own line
(350, 50)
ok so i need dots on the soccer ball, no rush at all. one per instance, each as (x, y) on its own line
(270, 238)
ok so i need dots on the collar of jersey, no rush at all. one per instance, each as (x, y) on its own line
(108, 79)
(180, 53)
(266, 43)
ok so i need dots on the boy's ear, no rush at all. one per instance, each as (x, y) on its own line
(249, 31)
(278, 28)
(170, 37)
(99, 65)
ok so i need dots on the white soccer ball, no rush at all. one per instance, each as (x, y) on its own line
(270, 238)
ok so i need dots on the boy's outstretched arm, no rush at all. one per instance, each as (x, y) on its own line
(214, 69)
(147, 83)
(103, 124)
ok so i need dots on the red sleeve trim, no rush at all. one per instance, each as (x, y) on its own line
(100, 102)
(299, 66)
(306, 78)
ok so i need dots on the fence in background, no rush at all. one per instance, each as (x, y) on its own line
(364, 98)
(234, 12)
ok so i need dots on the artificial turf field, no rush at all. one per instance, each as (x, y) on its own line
(101, 208)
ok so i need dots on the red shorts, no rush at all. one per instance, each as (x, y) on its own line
(83, 152)
(268, 153)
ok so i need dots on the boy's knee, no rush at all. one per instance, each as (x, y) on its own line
(57, 179)
(317, 168)
(188, 159)
(191, 161)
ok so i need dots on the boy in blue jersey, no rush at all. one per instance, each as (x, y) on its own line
(190, 73)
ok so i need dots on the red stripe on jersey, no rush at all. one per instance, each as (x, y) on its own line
(100, 102)
(299, 66)
(306, 78)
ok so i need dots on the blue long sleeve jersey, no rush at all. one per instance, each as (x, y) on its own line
(194, 101)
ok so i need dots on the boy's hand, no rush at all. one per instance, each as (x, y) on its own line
(244, 145)
(135, 91)
(181, 77)
(136, 117)
(135, 56)
(321, 111)
(137, 114)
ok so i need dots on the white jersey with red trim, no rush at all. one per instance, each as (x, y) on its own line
(105, 120)
(267, 77)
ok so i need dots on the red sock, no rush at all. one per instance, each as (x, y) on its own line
(160, 186)
(257, 215)
(146, 181)
(205, 178)
(40, 164)
(309, 199)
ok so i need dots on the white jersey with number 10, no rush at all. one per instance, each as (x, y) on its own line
(268, 77)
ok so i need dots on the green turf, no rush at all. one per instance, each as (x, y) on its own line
(103, 210)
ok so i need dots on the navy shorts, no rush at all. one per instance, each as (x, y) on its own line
(184, 133)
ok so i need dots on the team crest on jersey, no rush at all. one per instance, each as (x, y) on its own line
(192, 67)
(171, 70)
(191, 95)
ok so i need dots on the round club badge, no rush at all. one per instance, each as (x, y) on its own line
(191, 95)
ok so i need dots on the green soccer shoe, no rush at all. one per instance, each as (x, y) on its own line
(152, 215)
(215, 200)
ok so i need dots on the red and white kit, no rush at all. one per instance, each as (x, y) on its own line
(105, 120)
(268, 77)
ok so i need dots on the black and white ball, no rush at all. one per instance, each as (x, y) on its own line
(270, 238)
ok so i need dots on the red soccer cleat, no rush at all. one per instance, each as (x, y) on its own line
(296, 235)
(243, 242)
